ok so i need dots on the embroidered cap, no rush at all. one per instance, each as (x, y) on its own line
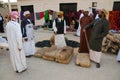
(26, 12)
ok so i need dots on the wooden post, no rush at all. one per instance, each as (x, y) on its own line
(9, 5)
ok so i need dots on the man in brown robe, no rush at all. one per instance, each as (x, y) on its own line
(85, 20)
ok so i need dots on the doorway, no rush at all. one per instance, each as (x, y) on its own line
(68, 7)
(116, 6)
(28, 8)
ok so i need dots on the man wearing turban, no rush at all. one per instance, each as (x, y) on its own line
(28, 35)
(14, 37)
(100, 28)
(59, 27)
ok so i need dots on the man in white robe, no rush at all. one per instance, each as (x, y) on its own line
(28, 35)
(118, 56)
(14, 37)
(79, 27)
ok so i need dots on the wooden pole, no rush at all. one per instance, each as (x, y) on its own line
(9, 5)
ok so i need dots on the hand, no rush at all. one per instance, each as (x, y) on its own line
(55, 33)
(84, 30)
(26, 39)
(19, 49)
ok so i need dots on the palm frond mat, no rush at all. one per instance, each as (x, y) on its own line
(46, 43)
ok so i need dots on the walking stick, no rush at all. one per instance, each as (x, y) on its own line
(87, 41)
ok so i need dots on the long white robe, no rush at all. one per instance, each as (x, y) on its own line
(118, 56)
(95, 56)
(14, 37)
(79, 27)
(29, 46)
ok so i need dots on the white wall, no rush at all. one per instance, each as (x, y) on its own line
(4, 11)
(42, 5)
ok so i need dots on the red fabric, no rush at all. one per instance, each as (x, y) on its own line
(114, 19)
(41, 15)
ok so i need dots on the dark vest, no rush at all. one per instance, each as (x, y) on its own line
(59, 26)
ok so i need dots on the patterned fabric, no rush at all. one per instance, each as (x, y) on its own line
(111, 43)
(41, 15)
(46, 16)
(114, 19)
(37, 16)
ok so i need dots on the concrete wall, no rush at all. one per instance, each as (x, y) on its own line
(41, 5)
(4, 11)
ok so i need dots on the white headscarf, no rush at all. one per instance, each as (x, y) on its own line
(14, 15)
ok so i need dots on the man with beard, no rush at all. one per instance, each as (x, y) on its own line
(100, 28)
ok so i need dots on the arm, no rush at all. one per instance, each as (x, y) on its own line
(18, 37)
(2, 19)
(64, 26)
(105, 29)
(81, 21)
(89, 25)
(23, 29)
(54, 26)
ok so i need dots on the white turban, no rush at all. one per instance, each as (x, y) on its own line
(26, 12)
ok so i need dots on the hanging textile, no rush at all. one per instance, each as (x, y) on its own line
(114, 19)
(37, 16)
(41, 15)
(46, 16)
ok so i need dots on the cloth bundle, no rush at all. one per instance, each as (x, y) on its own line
(83, 59)
(111, 43)
(64, 55)
(40, 52)
(61, 55)
(50, 53)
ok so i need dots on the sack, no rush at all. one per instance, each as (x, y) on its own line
(64, 53)
(60, 40)
(40, 52)
(95, 56)
(66, 61)
(83, 59)
(50, 53)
